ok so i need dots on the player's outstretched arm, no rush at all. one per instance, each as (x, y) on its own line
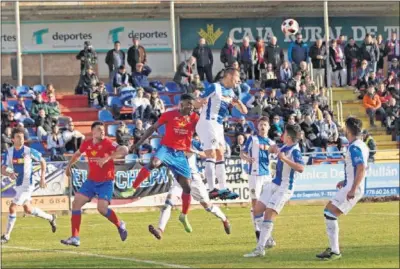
(42, 173)
(240, 106)
(120, 152)
(146, 135)
(73, 160)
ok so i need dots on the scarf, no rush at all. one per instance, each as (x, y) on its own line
(338, 54)
(394, 46)
(278, 127)
(260, 53)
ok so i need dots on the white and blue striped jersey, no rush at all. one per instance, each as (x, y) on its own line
(21, 162)
(192, 157)
(357, 153)
(257, 147)
(219, 99)
(284, 173)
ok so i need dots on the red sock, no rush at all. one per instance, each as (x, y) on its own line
(76, 222)
(111, 216)
(186, 199)
(143, 174)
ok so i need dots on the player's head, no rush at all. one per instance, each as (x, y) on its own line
(292, 133)
(263, 125)
(231, 78)
(187, 103)
(98, 131)
(353, 128)
(17, 136)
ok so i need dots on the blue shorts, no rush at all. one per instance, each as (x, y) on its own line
(103, 190)
(175, 160)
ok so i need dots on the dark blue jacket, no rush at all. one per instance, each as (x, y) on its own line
(139, 79)
(297, 52)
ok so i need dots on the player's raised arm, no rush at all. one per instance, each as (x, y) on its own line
(77, 155)
(239, 105)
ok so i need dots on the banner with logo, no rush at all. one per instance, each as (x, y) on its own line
(69, 36)
(216, 31)
(56, 182)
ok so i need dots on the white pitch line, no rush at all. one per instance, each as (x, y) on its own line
(101, 256)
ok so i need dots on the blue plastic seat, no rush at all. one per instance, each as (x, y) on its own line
(38, 146)
(131, 158)
(11, 104)
(131, 127)
(236, 113)
(109, 88)
(155, 143)
(22, 89)
(39, 88)
(341, 162)
(113, 100)
(166, 100)
(172, 86)
(145, 158)
(177, 99)
(127, 89)
(251, 124)
(105, 116)
(325, 163)
(112, 130)
(317, 154)
(28, 104)
(228, 140)
(250, 82)
(333, 152)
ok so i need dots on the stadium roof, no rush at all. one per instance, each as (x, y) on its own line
(31, 11)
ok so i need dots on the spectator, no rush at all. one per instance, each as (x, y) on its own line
(123, 136)
(370, 52)
(141, 106)
(276, 130)
(295, 82)
(370, 142)
(311, 131)
(140, 77)
(228, 151)
(139, 130)
(38, 104)
(393, 47)
(114, 59)
(121, 79)
(257, 103)
(373, 105)
(286, 103)
(9, 121)
(383, 94)
(382, 53)
(238, 145)
(90, 81)
(318, 57)
(184, 74)
(310, 85)
(302, 96)
(204, 60)
(316, 113)
(373, 80)
(53, 107)
(285, 76)
(229, 53)
(329, 131)
(26, 133)
(55, 142)
(6, 139)
(87, 56)
(242, 126)
(136, 54)
(101, 94)
(352, 54)
(272, 106)
(322, 99)
(196, 84)
(304, 144)
(21, 113)
(49, 90)
(337, 62)
(295, 109)
(341, 42)
(392, 114)
(274, 54)
(44, 124)
(157, 105)
(72, 138)
(297, 52)
(394, 67)
(258, 58)
(391, 81)
(270, 79)
(303, 70)
(246, 58)
(362, 76)
(291, 119)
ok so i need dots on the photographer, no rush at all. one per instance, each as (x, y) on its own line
(87, 56)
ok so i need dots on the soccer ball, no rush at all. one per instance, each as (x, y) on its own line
(290, 27)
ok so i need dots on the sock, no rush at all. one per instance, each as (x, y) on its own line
(266, 230)
(112, 217)
(143, 174)
(75, 222)
(210, 173)
(37, 212)
(256, 224)
(220, 173)
(12, 218)
(332, 230)
(216, 211)
(186, 199)
(165, 215)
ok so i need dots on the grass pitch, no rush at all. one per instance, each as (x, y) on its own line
(369, 237)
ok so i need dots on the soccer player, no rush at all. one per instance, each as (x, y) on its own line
(18, 165)
(100, 152)
(275, 195)
(351, 190)
(180, 125)
(216, 101)
(198, 192)
(256, 153)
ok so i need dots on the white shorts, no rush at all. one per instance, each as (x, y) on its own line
(23, 195)
(211, 134)
(198, 189)
(256, 184)
(275, 197)
(340, 200)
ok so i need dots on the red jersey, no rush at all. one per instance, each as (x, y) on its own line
(97, 151)
(179, 129)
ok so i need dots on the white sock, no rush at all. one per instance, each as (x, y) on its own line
(37, 212)
(10, 224)
(266, 231)
(210, 173)
(332, 229)
(221, 174)
(257, 224)
(165, 215)
(216, 211)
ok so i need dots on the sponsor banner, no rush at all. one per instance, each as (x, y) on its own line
(383, 180)
(54, 178)
(216, 31)
(69, 36)
(47, 203)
